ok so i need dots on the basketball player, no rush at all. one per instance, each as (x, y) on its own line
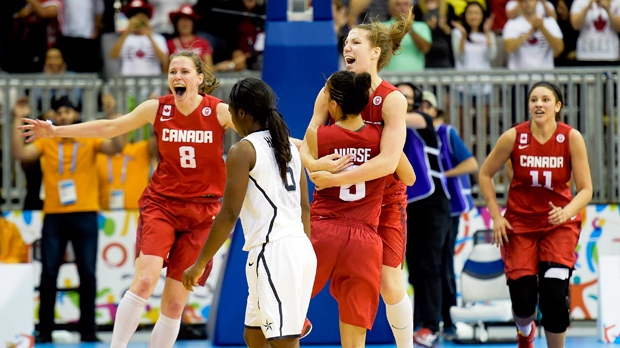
(266, 186)
(540, 228)
(183, 197)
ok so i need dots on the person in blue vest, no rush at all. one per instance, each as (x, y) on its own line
(428, 218)
(458, 163)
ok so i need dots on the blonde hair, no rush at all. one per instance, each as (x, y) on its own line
(209, 83)
(388, 39)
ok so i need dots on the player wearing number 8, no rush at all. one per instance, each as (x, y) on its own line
(540, 229)
(182, 199)
(345, 219)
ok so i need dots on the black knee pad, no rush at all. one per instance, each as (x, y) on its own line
(524, 295)
(554, 296)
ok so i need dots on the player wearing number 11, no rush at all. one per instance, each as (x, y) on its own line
(181, 201)
(540, 229)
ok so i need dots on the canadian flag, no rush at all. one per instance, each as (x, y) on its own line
(523, 138)
(167, 110)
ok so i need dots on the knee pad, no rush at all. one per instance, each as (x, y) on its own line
(554, 296)
(524, 295)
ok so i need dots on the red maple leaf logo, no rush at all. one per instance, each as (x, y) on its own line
(140, 54)
(600, 23)
(532, 40)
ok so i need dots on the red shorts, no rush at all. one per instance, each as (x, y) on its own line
(524, 251)
(393, 232)
(350, 254)
(175, 230)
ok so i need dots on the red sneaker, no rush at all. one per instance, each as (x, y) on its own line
(305, 330)
(426, 338)
(526, 341)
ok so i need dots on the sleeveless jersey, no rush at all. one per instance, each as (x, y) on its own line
(541, 175)
(422, 149)
(395, 189)
(190, 151)
(271, 208)
(360, 202)
(459, 187)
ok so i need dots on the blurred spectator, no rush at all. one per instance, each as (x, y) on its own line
(414, 46)
(33, 30)
(340, 14)
(70, 207)
(54, 65)
(249, 39)
(142, 52)
(161, 21)
(12, 246)
(532, 42)
(475, 47)
(367, 10)
(569, 55)
(437, 14)
(599, 24)
(544, 9)
(184, 21)
(54, 62)
(79, 42)
(498, 9)
(216, 27)
(124, 176)
(459, 6)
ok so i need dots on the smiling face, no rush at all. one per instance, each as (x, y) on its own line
(359, 56)
(473, 15)
(543, 104)
(183, 79)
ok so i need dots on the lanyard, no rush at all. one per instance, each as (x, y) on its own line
(61, 157)
(123, 169)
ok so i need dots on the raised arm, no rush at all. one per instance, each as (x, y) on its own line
(241, 157)
(141, 115)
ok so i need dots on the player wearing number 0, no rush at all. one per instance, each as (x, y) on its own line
(540, 228)
(267, 188)
(345, 219)
(181, 201)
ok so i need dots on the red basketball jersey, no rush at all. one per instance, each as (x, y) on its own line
(360, 202)
(190, 151)
(395, 189)
(541, 175)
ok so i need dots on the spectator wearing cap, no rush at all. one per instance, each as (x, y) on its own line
(141, 51)
(161, 21)
(458, 163)
(185, 39)
(70, 207)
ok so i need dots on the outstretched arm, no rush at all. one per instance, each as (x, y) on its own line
(140, 116)
(241, 157)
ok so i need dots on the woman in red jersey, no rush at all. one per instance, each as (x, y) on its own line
(540, 229)
(183, 197)
(368, 48)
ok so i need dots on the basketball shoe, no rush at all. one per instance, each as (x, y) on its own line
(305, 330)
(526, 341)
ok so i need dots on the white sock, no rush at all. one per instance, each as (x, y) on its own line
(127, 319)
(525, 330)
(400, 317)
(165, 332)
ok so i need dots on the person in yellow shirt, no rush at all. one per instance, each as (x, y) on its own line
(12, 246)
(124, 176)
(71, 205)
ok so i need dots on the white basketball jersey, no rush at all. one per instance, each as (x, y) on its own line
(271, 209)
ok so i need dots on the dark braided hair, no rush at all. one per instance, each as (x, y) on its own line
(559, 97)
(259, 100)
(350, 91)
